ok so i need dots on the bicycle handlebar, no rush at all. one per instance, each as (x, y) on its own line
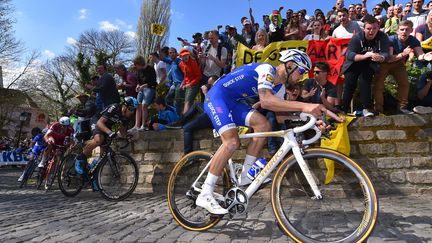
(311, 124)
(308, 125)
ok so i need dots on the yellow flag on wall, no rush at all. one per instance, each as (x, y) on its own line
(157, 29)
(339, 141)
(427, 44)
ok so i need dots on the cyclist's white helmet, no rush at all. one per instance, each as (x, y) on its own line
(65, 121)
(300, 58)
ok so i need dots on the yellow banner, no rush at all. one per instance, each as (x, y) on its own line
(157, 29)
(427, 44)
(270, 54)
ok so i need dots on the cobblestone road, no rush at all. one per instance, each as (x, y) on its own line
(30, 215)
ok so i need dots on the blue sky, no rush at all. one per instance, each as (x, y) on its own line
(50, 25)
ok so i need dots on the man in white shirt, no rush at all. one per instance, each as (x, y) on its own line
(159, 66)
(213, 59)
(418, 15)
(347, 28)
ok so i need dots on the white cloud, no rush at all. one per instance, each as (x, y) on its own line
(71, 41)
(83, 13)
(130, 34)
(120, 22)
(107, 26)
(49, 54)
(129, 27)
(177, 15)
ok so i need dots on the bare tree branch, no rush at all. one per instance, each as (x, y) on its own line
(152, 11)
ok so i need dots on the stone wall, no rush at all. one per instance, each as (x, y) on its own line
(394, 150)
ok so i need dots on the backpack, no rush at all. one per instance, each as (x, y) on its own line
(218, 55)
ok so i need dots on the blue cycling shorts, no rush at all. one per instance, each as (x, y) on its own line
(225, 112)
(38, 149)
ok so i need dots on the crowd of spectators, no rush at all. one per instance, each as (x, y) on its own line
(382, 41)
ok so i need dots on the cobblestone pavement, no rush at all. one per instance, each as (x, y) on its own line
(30, 215)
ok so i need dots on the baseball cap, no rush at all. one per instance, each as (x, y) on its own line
(246, 21)
(197, 34)
(184, 51)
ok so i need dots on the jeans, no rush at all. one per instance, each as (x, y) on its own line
(362, 73)
(178, 95)
(200, 122)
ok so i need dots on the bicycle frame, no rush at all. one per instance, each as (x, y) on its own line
(290, 142)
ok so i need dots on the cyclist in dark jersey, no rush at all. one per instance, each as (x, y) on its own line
(113, 114)
(223, 104)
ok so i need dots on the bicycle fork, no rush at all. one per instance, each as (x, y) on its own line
(306, 171)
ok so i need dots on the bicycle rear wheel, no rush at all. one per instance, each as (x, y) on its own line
(51, 173)
(346, 213)
(70, 182)
(182, 196)
(117, 176)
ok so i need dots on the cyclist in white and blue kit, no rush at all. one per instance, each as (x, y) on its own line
(228, 104)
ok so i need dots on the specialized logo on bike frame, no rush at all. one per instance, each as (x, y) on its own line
(269, 165)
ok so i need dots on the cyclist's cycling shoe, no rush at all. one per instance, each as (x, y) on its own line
(79, 166)
(210, 204)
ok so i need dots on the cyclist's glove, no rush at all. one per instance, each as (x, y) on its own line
(112, 135)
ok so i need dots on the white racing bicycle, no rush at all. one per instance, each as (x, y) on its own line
(307, 207)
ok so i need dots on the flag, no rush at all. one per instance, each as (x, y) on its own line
(157, 29)
(339, 141)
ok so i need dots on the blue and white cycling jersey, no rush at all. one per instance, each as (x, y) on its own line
(39, 144)
(229, 101)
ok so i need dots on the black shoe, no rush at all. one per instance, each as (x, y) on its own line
(174, 125)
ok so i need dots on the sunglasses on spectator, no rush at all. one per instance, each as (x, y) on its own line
(317, 72)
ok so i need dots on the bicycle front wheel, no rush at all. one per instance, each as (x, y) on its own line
(70, 182)
(51, 174)
(346, 213)
(117, 176)
(182, 195)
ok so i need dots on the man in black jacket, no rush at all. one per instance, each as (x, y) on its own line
(366, 50)
(85, 111)
(106, 87)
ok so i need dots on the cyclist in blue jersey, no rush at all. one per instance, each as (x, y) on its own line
(228, 104)
(38, 145)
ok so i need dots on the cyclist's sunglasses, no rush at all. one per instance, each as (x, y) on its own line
(299, 69)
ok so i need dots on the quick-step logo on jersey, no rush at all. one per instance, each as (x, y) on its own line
(214, 114)
(233, 80)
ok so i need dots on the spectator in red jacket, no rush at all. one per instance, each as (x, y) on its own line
(192, 77)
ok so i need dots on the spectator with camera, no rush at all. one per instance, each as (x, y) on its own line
(213, 58)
